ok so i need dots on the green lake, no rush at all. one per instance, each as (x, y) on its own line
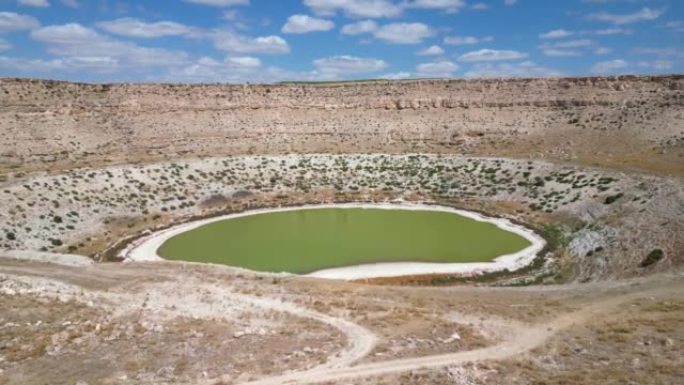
(306, 240)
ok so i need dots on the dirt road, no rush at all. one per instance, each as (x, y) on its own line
(121, 285)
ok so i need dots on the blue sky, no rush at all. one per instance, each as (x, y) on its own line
(275, 40)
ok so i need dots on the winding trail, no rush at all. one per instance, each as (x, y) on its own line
(518, 338)
(361, 341)
(524, 339)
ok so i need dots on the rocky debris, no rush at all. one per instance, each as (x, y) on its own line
(250, 332)
(453, 338)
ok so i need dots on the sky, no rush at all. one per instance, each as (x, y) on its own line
(264, 41)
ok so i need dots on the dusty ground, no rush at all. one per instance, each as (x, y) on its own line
(176, 323)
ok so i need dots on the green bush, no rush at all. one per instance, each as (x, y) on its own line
(613, 198)
(652, 257)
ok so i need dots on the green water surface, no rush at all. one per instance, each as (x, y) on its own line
(307, 240)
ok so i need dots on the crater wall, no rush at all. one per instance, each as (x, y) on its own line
(618, 121)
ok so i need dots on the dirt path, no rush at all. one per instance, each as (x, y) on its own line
(360, 341)
(523, 339)
(113, 283)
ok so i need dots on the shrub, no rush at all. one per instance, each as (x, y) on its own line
(612, 198)
(652, 257)
(555, 237)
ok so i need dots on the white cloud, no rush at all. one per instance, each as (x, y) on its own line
(572, 43)
(611, 31)
(610, 1)
(608, 67)
(306, 24)
(67, 64)
(355, 8)
(403, 33)
(561, 52)
(517, 70)
(395, 33)
(661, 52)
(244, 61)
(432, 50)
(510, 2)
(395, 76)
(466, 40)
(35, 3)
(656, 64)
(139, 28)
(219, 3)
(479, 7)
(676, 25)
(5, 45)
(645, 14)
(562, 33)
(232, 42)
(602, 51)
(10, 21)
(566, 48)
(440, 69)
(70, 3)
(447, 5)
(234, 70)
(360, 27)
(85, 46)
(491, 55)
(556, 34)
(342, 65)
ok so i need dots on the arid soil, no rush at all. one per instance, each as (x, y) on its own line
(181, 323)
(594, 165)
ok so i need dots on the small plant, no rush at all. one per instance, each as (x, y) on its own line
(555, 236)
(612, 198)
(652, 257)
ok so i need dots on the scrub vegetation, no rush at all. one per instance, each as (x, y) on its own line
(86, 211)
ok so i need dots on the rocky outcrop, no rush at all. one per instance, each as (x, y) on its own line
(77, 123)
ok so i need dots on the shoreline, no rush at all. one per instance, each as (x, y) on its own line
(145, 248)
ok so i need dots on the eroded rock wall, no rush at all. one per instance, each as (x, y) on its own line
(568, 119)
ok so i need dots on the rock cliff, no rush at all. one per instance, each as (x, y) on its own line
(616, 121)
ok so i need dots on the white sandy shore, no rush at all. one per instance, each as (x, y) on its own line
(145, 249)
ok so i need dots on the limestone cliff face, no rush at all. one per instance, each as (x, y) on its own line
(68, 122)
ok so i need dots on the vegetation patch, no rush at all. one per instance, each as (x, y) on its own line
(652, 257)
